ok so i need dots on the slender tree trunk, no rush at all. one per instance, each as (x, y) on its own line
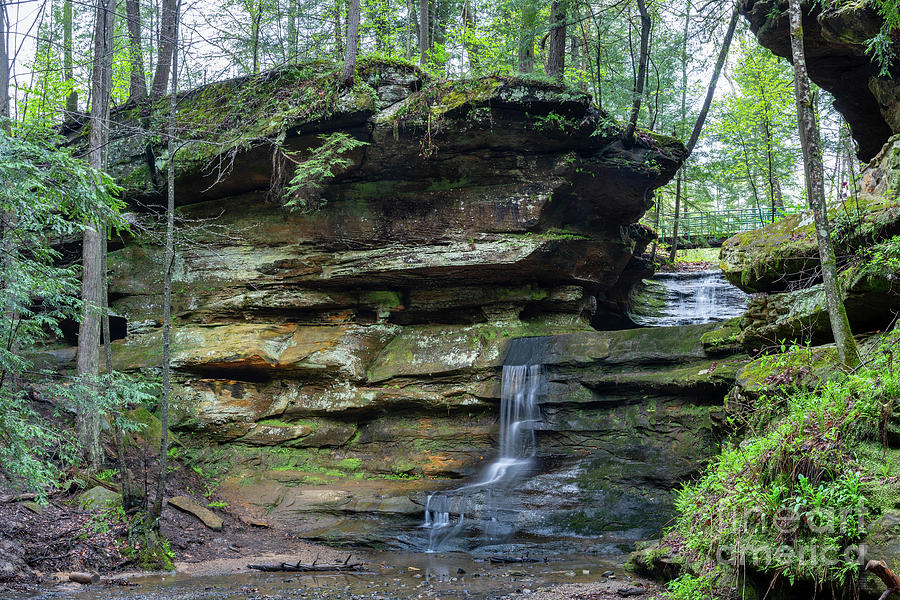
(815, 189)
(88, 358)
(4, 60)
(137, 88)
(129, 498)
(674, 249)
(556, 51)
(424, 38)
(711, 89)
(410, 18)
(338, 31)
(643, 59)
(526, 36)
(156, 510)
(254, 37)
(292, 30)
(682, 122)
(352, 44)
(72, 98)
(166, 47)
(471, 46)
(775, 198)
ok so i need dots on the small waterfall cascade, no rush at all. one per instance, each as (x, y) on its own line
(485, 503)
(686, 298)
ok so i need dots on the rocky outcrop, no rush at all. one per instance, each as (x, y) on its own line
(835, 40)
(781, 261)
(628, 415)
(339, 360)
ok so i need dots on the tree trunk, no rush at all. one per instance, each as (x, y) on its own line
(137, 88)
(156, 509)
(471, 46)
(338, 31)
(643, 59)
(293, 34)
(424, 41)
(254, 37)
(351, 45)
(674, 249)
(166, 47)
(556, 51)
(775, 198)
(88, 358)
(682, 122)
(72, 98)
(4, 61)
(526, 36)
(815, 189)
(711, 89)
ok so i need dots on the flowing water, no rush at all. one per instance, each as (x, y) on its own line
(687, 298)
(486, 504)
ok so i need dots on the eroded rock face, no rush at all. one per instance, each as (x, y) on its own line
(628, 416)
(835, 41)
(781, 261)
(343, 359)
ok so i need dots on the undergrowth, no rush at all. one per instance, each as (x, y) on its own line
(790, 498)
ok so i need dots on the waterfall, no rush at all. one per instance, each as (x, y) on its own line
(485, 503)
(686, 298)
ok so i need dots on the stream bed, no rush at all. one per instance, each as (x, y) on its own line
(390, 576)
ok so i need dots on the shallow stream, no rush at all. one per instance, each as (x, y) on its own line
(389, 576)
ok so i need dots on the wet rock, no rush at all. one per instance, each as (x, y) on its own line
(206, 516)
(882, 543)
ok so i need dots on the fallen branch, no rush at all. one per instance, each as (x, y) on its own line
(891, 581)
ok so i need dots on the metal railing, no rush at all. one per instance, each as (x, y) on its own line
(714, 226)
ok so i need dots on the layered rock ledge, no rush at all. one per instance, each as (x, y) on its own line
(780, 262)
(338, 359)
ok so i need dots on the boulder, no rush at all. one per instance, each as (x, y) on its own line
(203, 514)
(99, 498)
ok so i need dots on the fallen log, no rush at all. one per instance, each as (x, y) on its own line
(313, 567)
(306, 567)
(891, 581)
(512, 559)
(84, 578)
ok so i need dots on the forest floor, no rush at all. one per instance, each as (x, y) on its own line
(37, 541)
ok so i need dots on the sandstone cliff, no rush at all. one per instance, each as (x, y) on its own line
(338, 360)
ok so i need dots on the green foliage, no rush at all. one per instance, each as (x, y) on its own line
(313, 168)
(690, 587)
(881, 46)
(884, 257)
(792, 494)
(45, 194)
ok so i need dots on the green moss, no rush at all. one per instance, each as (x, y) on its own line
(349, 464)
